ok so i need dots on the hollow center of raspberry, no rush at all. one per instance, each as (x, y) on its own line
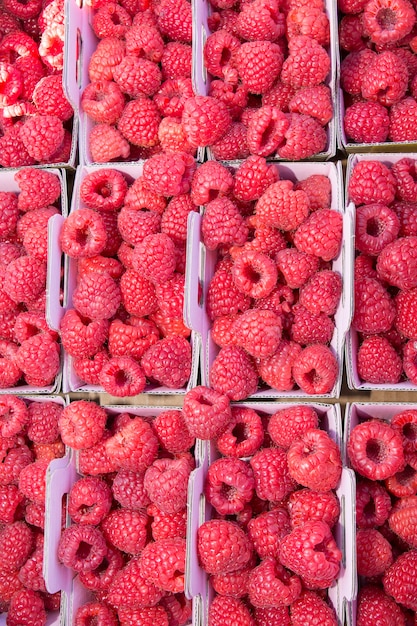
(205, 401)
(386, 19)
(84, 509)
(228, 492)
(225, 57)
(251, 274)
(103, 567)
(240, 432)
(121, 378)
(82, 236)
(83, 550)
(313, 377)
(115, 19)
(410, 432)
(369, 509)
(408, 475)
(375, 451)
(55, 47)
(104, 190)
(269, 133)
(374, 227)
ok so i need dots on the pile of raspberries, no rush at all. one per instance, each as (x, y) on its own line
(126, 542)
(35, 115)
(383, 455)
(273, 294)
(29, 441)
(378, 70)
(29, 349)
(385, 276)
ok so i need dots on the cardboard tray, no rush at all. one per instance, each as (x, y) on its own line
(197, 584)
(201, 264)
(352, 342)
(55, 310)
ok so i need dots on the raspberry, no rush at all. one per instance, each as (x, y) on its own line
(25, 279)
(304, 138)
(229, 485)
(138, 197)
(175, 20)
(253, 177)
(176, 60)
(172, 95)
(260, 20)
(171, 429)
(320, 234)
(43, 422)
(31, 572)
(130, 589)
(107, 55)
(211, 181)
(310, 607)
(32, 481)
(258, 332)
(14, 460)
(129, 491)
(321, 294)
(166, 484)
(232, 584)
(310, 21)
(258, 64)
(266, 130)
(399, 580)
(103, 102)
(234, 96)
(146, 616)
(140, 121)
(218, 51)
(376, 226)
(403, 119)
(81, 424)
(314, 460)
(233, 144)
(205, 120)
(409, 361)
(170, 295)
(82, 338)
(307, 63)
(374, 553)
(96, 611)
(306, 504)
(402, 520)
(375, 450)
(233, 373)
(404, 173)
(106, 143)
(276, 371)
(168, 362)
(272, 478)
(13, 415)
(371, 181)
(167, 525)
(365, 267)
(104, 189)
(316, 369)
(89, 500)
(388, 21)
(287, 425)
(385, 79)
(42, 135)
(310, 328)
(296, 267)
(13, 152)
(314, 101)
(222, 547)
(243, 435)
(223, 297)
(169, 174)
(26, 609)
(374, 605)
(206, 412)
(111, 20)
(138, 294)
(133, 338)
(267, 529)
(223, 609)
(49, 98)
(315, 539)
(254, 274)
(10, 504)
(222, 223)
(374, 308)
(378, 361)
(405, 423)
(9, 213)
(396, 262)
(133, 447)
(163, 563)
(81, 547)
(144, 42)
(38, 358)
(405, 303)
(83, 234)
(16, 542)
(274, 616)
(353, 69)
(97, 296)
(270, 585)
(126, 530)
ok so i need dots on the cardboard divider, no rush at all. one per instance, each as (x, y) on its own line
(342, 264)
(352, 341)
(197, 581)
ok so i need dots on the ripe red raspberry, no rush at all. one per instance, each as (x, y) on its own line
(138, 197)
(405, 423)
(374, 553)
(9, 213)
(233, 373)
(307, 63)
(129, 491)
(282, 207)
(314, 460)
(223, 609)
(278, 96)
(14, 415)
(106, 144)
(234, 96)
(13, 152)
(176, 60)
(404, 173)
(405, 321)
(316, 369)
(169, 174)
(103, 101)
(206, 412)
(232, 584)
(171, 96)
(17, 543)
(96, 611)
(306, 504)
(32, 481)
(83, 234)
(166, 482)
(258, 64)
(26, 609)
(395, 263)
(222, 547)
(104, 189)
(353, 68)
(144, 42)
(373, 504)
(271, 472)
(233, 144)
(254, 273)
(172, 431)
(314, 101)
(175, 20)
(374, 308)
(223, 223)
(267, 529)
(167, 525)
(89, 500)
(371, 181)
(321, 294)
(134, 225)
(130, 589)
(163, 563)
(125, 530)
(320, 234)
(296, 267)
(304, 138)
(310, 607)
(399, 580)
(111, 20)
(14, 460)
(25, 279)
(253, 177)
(168, 362)
(38, 358)
(133, 447)
(375, 450)
(243, 435)
(374, 605)
(211, 181)
(315, 539)
(376, 226)
(97, 296)
(172, 137)
(402, 520)
(82, 338)
(139, 122)
(266, 130)
(229, 485)
(90, 539)
(81, 424)
(403, 120)
(42, 135)
(137, 77)
(270, 585)
(276, 371)
(10, 501)
(31, 572)
(133, 338)
(258, 332)
(223, 297)
(107, 55)
(310, 21)
(388, 21)
(146, 616)
(311, 328)
(287, 425)
(138, 294)
(410, 361)
(378, 362)
(205, 120)
(260, 20)
(385, 79)
(218, 51)
(49, 98)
